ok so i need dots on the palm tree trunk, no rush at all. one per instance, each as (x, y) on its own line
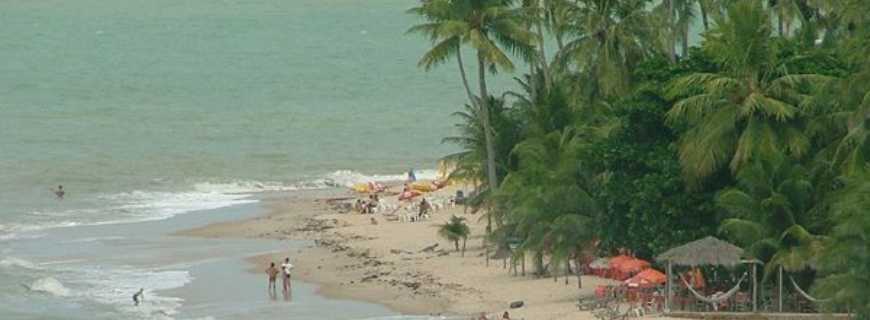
(543, 61)
(781, 24)
(685, 48)
(492, 178)
(671, 30)
(538, 258)
(579, 272)
(487, 128)
(704, 19)
(462, 73)
(464, 240)
(567, 270)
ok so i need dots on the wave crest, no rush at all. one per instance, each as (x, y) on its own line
(348, 178)
(9, 262)
(51, 286)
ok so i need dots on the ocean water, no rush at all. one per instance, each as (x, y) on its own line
(161, 109)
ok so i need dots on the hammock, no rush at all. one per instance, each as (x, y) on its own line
(806, 295)
(716, 298)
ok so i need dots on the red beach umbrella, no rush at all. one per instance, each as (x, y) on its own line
(633, 266)
(647, 278)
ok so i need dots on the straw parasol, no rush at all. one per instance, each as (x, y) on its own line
(708, 251)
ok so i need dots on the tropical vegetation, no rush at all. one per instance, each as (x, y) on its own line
(623, 133)
(455, 230)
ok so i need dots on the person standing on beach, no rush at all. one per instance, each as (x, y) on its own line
(286, 267)
(272, 272)
(411, 176)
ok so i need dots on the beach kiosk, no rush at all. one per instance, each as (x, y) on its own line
(708, 251)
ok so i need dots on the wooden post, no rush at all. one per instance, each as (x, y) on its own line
(486, 252)
(669, 290)
(780, 288)
(523, 263)
(754, 288)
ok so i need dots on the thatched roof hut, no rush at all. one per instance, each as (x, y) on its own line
(707, 251)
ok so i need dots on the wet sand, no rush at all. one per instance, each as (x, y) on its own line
(395, 264)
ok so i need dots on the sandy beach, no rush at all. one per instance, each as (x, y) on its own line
(387, 263)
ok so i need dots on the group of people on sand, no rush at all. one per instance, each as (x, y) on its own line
(284, 271)
(367, 206)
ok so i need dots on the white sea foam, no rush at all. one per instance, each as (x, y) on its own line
(9, 262)
(141, 206)
(348, 178)
(340, 178)
(51, 286)
(95, 239)
(243, 187)
(116, 286)
(148, 205)
(128, 207)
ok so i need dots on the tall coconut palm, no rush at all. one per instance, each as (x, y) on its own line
(438, 16)
(547, 198)
(749, 110)
(849, 152)
(493, 28)
(772, 208)
(470, 161)
(846, 262)
(608, 38)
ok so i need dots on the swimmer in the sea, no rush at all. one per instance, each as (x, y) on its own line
(59, 192)
(139, 297)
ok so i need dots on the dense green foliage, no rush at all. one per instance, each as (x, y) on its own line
(628, 138)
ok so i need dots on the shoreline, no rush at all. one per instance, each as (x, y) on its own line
(404, 266)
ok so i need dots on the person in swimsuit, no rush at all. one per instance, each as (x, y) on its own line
(286, 267)
(272, 272)
(59, 192)
(424, 208)
(139, 296)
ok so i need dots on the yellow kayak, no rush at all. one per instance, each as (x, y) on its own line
(423, 186)
(361, 187)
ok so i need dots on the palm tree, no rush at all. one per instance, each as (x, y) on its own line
(490, 27)
(850, 152)
(455, 230)
(470, 161)
(609, 38)
(548, 205)
(772, 207)
(749, 110)
(846, 262)
(439, 17)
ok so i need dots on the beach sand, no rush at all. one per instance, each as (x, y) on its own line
(352, 258)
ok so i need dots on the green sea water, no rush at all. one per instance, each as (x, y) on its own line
(145, 110)
(116, 96)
